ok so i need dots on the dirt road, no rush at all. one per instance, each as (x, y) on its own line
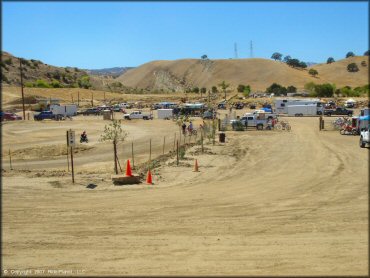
(265, 203)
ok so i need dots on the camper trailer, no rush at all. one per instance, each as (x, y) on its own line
(281, 105)
(304, 110)
(64, 110)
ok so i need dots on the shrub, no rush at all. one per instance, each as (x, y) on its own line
(84, 82)
(276, 89)
(55, 84)
(363, 63)
(352, 67)
(29, 84)
(4, 78)
(182, 152)
(240, 88)
(8, 61)
(350, 54)
(40, 83)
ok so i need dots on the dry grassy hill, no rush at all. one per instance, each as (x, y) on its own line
(37, 70)
(337, 72)
(259, 73)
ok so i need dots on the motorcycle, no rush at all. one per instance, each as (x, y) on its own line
(84, 139)
(348, 130)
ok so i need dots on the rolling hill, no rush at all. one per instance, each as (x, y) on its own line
(258, 73)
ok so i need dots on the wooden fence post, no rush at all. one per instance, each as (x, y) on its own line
(132, 155)
(10, 160)
(164, 143)
(177, 153)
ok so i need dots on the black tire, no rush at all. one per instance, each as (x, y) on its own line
(350, 115)
(362, 144)
(259, 127)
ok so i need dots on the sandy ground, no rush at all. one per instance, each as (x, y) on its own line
(263, 203)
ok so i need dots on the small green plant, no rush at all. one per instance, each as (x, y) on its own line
(8, 61)
(182, 152)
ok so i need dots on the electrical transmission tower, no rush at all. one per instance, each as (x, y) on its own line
(251, 50)
(236, 51)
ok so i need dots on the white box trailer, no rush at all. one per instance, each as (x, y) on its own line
(303, 110)
(64, 110)
(281, 105)
(165, 113)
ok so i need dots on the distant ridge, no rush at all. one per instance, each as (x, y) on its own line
(115, 71)
(178, 75)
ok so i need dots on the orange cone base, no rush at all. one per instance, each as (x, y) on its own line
(149, 178)
(128, 169)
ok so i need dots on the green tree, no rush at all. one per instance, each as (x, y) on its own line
(276, 89)
(247, 91)
(203, 90)
(313, 72)
(310, 86)
(352, 67)
(196, 90)
(214, 89)
(114, 132)
(330, 60)
(277, 56)
(324, 90)
(204, 57)
(366, 53)
(291, 89)
(240, 88)
(350, 54)
(302, 65)
(223, 85)
(287, 58)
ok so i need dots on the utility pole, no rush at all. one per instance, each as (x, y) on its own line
(20, 68)
(235, 51)
(251, 50)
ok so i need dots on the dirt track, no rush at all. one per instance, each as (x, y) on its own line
(271, 203)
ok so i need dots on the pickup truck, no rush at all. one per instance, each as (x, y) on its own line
(364, 138)
(138, 115)
(250, 120)
(45, 115)
(338, 111)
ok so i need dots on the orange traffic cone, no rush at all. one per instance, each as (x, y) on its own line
(128, 169)
(196, 166)
(149, 178)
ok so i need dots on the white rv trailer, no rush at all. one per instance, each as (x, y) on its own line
(281, 105)
(303, 110)
(64, 110)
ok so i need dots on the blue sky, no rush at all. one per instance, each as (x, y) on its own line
(107, 34)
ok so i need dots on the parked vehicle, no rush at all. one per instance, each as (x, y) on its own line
(90, 111)
(239, 105)
(64, 110)
(338, 111)
(209, 115)
(125, 105)
(304, 110)
(259, 121)
(281, 105)
(165, 113)
(138, 115)
(45, 115)
(6, 116)
(364, 138)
